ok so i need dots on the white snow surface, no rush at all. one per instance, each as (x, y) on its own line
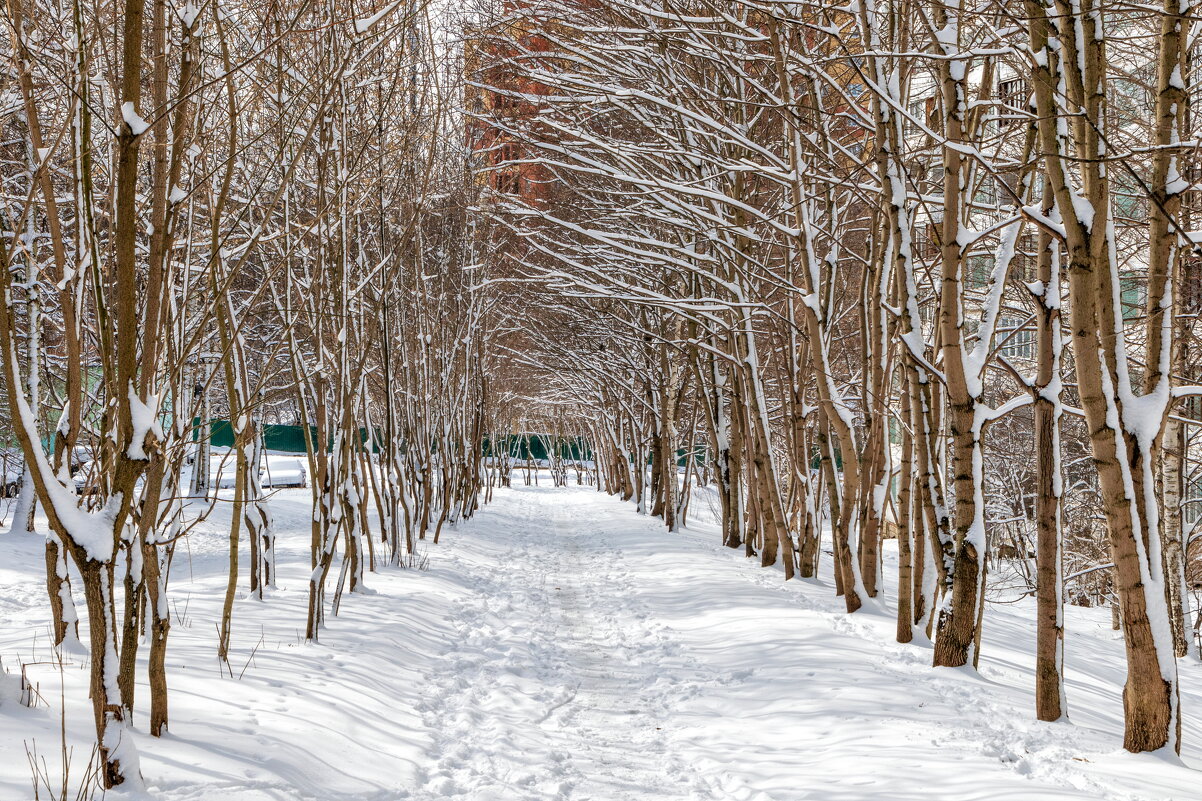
(562, 648)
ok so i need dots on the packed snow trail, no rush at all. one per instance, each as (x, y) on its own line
(559, 682)
(561, 647)
(604, 658)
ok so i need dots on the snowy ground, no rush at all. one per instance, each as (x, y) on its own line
(562, 647)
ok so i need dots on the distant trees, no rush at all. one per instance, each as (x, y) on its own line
(243, 211)
(834, 268)
(838, 245)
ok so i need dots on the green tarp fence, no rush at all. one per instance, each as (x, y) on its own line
(532, 446)
(291, 439)
(288, 439)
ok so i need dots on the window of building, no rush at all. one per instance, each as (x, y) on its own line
(935, 176)
(1191, 407)
(1026, 257)
(926, 312)
(509, 152)
(1012, 98)
(1129, 197)
(986, 194)
(1133, 295)
(1191, 509)
(1018, 341)
(1190, 285)
(916, 112)
(1012, 92)
(977, 271)
(895, 431)
(508, 182)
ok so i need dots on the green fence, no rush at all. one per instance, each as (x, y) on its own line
(532, 446)
(287, 439)
(291, 439)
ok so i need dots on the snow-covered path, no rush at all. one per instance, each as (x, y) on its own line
(560, 681)
(604, 658)
(562, 648)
